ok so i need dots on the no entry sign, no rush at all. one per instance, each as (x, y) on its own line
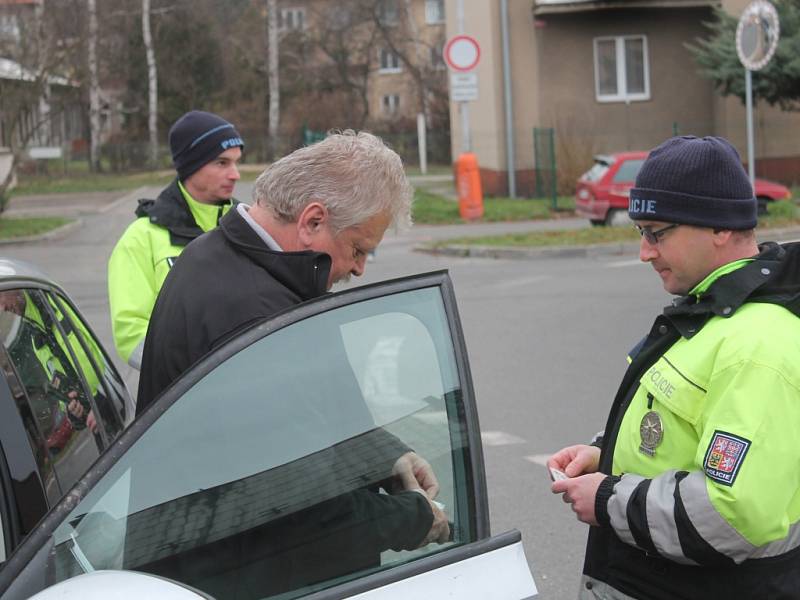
(462, 53)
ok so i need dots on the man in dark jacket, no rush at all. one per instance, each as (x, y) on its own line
(205, 151)
(692, 488)
(316, 215)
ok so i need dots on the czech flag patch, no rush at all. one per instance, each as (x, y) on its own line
(724, 456)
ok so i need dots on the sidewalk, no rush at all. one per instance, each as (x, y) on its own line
(419, 236)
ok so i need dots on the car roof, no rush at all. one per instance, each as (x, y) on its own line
(619, 156)
(13, 271)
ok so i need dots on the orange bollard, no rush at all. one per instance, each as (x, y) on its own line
(468, 186)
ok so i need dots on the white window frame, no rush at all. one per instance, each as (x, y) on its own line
(622, 94)
(390, 104)
(434, 12)
(388, 13)
(392, 66)
(437, 57)
(295, 12)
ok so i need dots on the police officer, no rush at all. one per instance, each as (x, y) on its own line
(205, 151)
(693, 490)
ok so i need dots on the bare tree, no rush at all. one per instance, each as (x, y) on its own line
(94, 89)
(403, 39)
(273, 79)
(152, 83)
(347, 39)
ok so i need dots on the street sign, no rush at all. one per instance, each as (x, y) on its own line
(757, 34)
(462, 52)
(463, 87)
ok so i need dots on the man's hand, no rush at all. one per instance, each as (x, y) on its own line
(414, 472)
(91, 422)
(75, 407)
(576, 460)
(440, 530)
(580, 493)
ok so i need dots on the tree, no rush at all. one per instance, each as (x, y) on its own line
(94, 89)
(152, 83)
(778, 83)
(273, 78)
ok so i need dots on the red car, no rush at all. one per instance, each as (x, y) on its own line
(602, 192)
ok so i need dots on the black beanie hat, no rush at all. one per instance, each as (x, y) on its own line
(694, 181)
(199, 137)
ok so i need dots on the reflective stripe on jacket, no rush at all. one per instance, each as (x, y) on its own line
(712, 508)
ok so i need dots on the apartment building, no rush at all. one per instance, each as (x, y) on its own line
(606, 76)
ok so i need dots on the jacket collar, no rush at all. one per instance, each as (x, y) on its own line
(755, 282)
(305, 273)
(171, 212)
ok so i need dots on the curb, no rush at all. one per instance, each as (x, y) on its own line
(53, 234)
(587, 251)
(135, 194)
(60, 232)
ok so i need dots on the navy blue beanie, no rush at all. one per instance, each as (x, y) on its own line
(199, 137)
(694, 181)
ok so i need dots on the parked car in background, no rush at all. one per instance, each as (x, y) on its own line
(601, 194)
(217, 489)
(61, 400)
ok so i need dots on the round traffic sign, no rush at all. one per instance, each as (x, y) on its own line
(757, 34)
(462, 53)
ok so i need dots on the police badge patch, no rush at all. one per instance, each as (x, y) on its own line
(725, 456)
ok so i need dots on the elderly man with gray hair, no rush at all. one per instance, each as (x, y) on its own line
(316, 215)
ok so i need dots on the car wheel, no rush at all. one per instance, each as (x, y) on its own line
(763, 201)
(597, 222)
(617, 218)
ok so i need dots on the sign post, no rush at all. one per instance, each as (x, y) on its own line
(462, 53)
(756, 39)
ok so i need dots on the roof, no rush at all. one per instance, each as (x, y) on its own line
(10, 69)
(546, 7)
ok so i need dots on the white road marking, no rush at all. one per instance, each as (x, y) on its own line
(539, 459)
(624, 263)
(522, 281)
(500, 438)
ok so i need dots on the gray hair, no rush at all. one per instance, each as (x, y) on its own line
(354, 175)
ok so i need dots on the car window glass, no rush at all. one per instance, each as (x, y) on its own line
(106, 389)
(628, 171)
(270, 477)
(596, 172)
(56, 396)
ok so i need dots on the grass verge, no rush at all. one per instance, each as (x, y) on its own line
(780, 215)
(432, 209)
(11, 228)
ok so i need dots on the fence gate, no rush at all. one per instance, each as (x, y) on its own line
(544, 155)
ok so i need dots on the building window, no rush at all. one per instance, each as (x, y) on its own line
(434, 11)
(292, 19)
(387, 12)
(437, 58)
(390, 62)
(390, 103)
(621, 69)
(9, 27)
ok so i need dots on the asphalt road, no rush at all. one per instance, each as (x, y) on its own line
(546, 337)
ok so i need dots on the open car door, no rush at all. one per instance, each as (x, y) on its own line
(278, 467)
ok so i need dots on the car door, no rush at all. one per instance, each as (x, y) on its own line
(52, 382)
(272, 469)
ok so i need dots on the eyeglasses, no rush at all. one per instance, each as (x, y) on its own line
(653, 237)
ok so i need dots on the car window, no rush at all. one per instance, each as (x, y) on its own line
(273, 475)
(628, 171)
(57, 399)
(105, 386)
(597, 171)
